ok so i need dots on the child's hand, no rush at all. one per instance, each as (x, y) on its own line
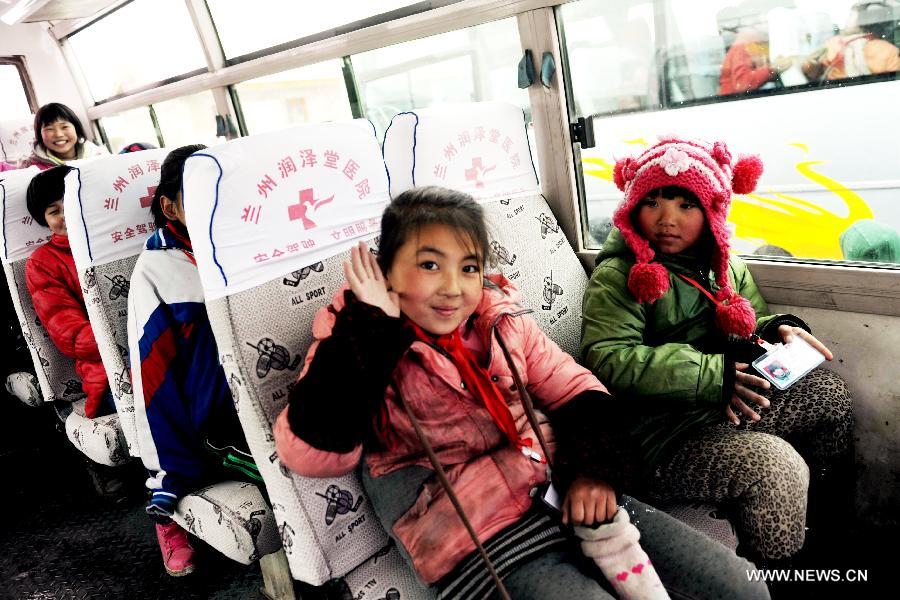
(787, 334)
(367, 282)
(588, 501)
(743, 394)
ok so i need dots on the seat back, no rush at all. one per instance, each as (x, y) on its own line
(107, 205)
(21, 237)
(482, 148)
(16, 139)
(271, 217)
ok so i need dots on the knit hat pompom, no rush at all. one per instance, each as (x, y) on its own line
(746, 174)
(648, 281)
(734, 313)
(623, 172)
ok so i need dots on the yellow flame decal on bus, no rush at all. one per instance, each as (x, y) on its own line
(797, 225)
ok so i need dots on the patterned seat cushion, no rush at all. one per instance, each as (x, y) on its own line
(16, 139)
(233, 518)
(100, 438)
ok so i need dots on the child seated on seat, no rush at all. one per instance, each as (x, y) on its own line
(188, 429)
(59, 137)
(419, 330)
(668, 319)
(52, 281)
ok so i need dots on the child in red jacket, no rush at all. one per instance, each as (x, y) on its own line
(52, 281)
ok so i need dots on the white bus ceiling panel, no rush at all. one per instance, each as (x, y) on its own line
(49, 74)
(865, 350)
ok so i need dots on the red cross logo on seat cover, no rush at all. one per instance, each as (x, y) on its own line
(477, 171)
(307, 201)
(147, 200)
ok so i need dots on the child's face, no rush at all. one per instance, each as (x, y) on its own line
(56, 218)
(60, 138)
(671, 225)
(438, 279)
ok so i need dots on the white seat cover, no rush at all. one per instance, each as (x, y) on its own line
(16, 139)
(107, 206)
(261, 312)
(527, 244)
(99, 439)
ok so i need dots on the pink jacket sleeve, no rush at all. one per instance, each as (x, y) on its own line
(553, 377)
(303, 459)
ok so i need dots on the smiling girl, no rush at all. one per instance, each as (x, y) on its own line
(59, 138)
(418, 331)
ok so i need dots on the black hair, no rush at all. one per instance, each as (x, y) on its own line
(669, 192)
(420, 207)
(46, 188)
(51, 113)
(136, 147)
(170, 180)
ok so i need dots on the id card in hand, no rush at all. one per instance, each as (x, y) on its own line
(785, 364)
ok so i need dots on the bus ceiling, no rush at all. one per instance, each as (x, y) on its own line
(13, 12)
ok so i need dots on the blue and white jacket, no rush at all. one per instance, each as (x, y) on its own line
(178, 381)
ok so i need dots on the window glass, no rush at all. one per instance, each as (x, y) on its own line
(312, 94)
(13, 101)
(830, 182)
(129, 127)
(274, 22)
(478, 63)
(143, 42)
(188, 120)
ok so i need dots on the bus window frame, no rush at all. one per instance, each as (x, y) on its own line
(18, 61)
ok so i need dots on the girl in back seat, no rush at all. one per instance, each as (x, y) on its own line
(59, 137)
(419, 329)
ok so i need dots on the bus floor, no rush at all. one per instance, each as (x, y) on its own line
(60, 542)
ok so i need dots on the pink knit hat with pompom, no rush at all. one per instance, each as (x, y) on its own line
(708, 171)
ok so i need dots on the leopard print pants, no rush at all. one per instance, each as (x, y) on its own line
(755, 468)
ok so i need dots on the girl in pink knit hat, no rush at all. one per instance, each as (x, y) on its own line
(672, 322)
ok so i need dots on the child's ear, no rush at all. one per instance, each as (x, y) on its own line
(168, 208)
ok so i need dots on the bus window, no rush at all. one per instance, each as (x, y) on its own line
(274, 22)
(311, 94)
(816, 185)
(116, 57)
(14, 99)
(129, 126)
(187, 120)
(478, 63)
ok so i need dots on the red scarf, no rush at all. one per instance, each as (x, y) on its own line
(480, 385)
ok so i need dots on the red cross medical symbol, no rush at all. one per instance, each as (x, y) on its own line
(147, 200)
(477, 171)
(307, 202)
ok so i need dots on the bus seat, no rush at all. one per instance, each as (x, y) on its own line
(99, 439)
(16, 139)
(108, 206)
(271, 218)
(455, 146)
(482, 148)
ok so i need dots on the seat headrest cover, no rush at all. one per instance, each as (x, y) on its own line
(21, 233)
(480, 148)
(262, 206)
(16, 139)
(107, 205)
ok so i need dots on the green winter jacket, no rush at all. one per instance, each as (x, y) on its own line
(666, 358)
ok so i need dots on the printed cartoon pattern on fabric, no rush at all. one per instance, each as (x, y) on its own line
(16, 139)
(233, 518)
(100, 439)
(55, 371)
(530, 249)
(327, 526)
(385, 576)
(106, 289)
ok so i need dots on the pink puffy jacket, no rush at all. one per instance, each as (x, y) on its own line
(491, 478)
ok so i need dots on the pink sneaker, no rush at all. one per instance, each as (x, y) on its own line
(178, 555)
